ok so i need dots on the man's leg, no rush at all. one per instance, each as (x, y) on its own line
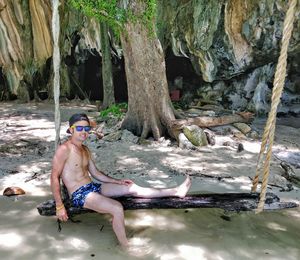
(115, 190)
(101, 204)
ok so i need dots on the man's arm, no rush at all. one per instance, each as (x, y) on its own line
(58, 164)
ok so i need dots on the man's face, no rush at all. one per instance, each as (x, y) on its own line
(80, 130)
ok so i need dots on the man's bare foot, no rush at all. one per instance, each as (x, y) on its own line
(183, 188)
(137, 247)
(124, 245)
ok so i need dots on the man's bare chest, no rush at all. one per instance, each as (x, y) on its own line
(78, 159)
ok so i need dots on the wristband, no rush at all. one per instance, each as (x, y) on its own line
(60, 207)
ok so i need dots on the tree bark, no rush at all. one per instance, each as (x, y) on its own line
(149, 106)
(107, 76)
(226, 201)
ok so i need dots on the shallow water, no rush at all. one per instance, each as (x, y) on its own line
(157, 234)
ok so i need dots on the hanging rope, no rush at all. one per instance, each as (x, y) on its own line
(56, 64)
(268, 136)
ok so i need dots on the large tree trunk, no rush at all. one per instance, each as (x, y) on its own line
(149, 106)
(108, 86)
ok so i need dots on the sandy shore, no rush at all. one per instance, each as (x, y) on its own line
(26, 149)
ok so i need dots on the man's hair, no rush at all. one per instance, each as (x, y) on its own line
(77, 117)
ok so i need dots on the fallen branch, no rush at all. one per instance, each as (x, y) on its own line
(226, 201)
(207, 121)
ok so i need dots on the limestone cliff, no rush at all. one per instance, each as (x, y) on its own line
(26, 43)
(233, 46)
(225, 38)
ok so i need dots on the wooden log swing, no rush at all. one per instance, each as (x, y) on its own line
(228, 201)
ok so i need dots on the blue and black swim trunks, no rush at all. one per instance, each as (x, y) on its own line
(78, 196)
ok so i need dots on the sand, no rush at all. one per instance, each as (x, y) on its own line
(27, 133)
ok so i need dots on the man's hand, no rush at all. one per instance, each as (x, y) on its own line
(124, 182)
(61, 214)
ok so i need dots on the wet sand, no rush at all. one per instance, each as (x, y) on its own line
(157, 234)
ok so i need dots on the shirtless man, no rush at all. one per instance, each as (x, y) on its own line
(73, 163)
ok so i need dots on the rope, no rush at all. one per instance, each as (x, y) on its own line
(56, 64)
(269, 132)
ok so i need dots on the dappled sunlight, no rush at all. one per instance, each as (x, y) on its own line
(75, 243)
(290, 156)
(7, 107)
(193, 252)
(33, 176)
(221, 162)
(25, 128)
(243, 183)
(156, 173)
(33, 212)
(125, 161)
(28, 187)
(245, 156)
(10, 240)
(227, 186)
(139, 148)
(221, 165)
(164, 149)
(157, 184)
(153, 220)
(286, 151)
(71, 257)
(183, 163)
(186, 252)
(293, 213)
(252, 147)
(11, 213)
(34, 167)
(276, 226)
(183, 234)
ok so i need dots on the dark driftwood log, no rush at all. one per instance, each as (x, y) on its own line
(227, 201)
(207, 121)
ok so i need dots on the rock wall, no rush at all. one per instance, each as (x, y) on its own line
(225, 38)
(232, 46)
(26, 45)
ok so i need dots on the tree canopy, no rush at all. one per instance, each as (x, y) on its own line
(116, 12)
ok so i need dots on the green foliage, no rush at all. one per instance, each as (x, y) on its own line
(149, 14)
(107, 11)
(177, 105)
(112, 12)
(115, 110)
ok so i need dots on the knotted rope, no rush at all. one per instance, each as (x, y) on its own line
(269, 131)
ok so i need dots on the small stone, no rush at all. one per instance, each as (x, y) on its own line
(240, 148)
(253, 134)
(184, 143)
(225, 217)
(112, 137)
(244, 128)
(127, 136)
